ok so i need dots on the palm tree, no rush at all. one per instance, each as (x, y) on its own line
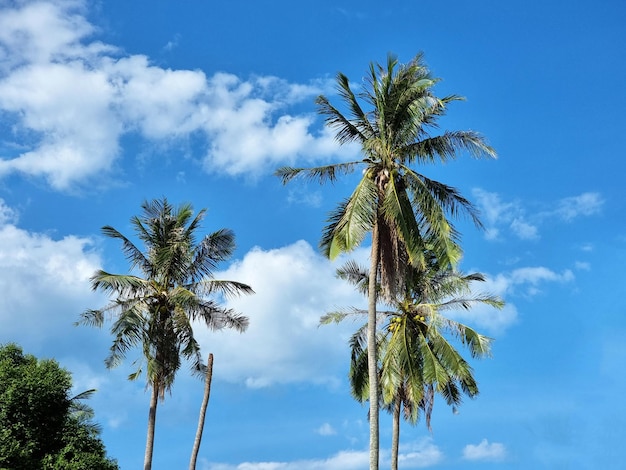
(170, 286)
(416, 359)
(397, 205)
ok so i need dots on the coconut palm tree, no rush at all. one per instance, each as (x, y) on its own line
(170, 286)
(397, 205)
(416, 359)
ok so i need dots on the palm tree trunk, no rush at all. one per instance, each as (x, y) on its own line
(395, 436)
(372, 360)
(147, 461)
(205, 403)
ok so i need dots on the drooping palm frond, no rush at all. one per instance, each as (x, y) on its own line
(134, 255)
(351, 221)
(220, 287)
(320, 173)
(214, 249)
(355, 274)
(120, 284)
(448, 146)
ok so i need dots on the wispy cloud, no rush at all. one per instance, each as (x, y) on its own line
(304, 195)
(583, 205)
(504, 218)
(72, 99)
(326, 429)
(172, 44)
(500, 215)
(525, 281)
(485, 451)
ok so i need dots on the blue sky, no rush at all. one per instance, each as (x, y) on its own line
(106, 104)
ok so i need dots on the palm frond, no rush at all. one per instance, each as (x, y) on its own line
(352, 220)
(448, 146)
(220, 287)
(320, 173)
(212, 250)
(91, 318)
(355, 274)
(124, 285)
(339, 316)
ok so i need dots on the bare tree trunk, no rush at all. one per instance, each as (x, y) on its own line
(372, 359)
(154, 398)
(395, 435)
(205, 403)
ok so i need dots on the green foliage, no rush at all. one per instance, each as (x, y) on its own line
(417, 360)
(168, 288)
(392, 118)
(41, 425)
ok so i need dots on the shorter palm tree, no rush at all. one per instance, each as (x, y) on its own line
(171, 286)
(416, 359)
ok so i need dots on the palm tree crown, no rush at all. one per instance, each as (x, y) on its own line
(170, 287)
(396, 133)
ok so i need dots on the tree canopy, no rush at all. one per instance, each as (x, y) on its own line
(41, 424)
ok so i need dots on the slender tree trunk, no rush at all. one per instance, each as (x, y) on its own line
(205, 403)
(395, 435)
(372, 358)
(154, 399)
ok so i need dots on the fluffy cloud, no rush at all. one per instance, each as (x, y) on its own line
(294, 286)
(484, 451)
(45, 281)
(418, 455)
(345, 460)
(70, 100)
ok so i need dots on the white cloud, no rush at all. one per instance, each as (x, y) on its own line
(45, 281)
(294, 286)
(485, 451)
(582, 265)
(344, 460)
(71, 99)
(487, 320)
(500, 216)
(326, 429)
(421, 454)
(492, 207)
(301, 194)
(585, 204)
(524, 230)
(527, 281)
(536, 274)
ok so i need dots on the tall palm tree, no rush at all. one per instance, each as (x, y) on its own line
(170, 286)
(416, 359)
(397, 205)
